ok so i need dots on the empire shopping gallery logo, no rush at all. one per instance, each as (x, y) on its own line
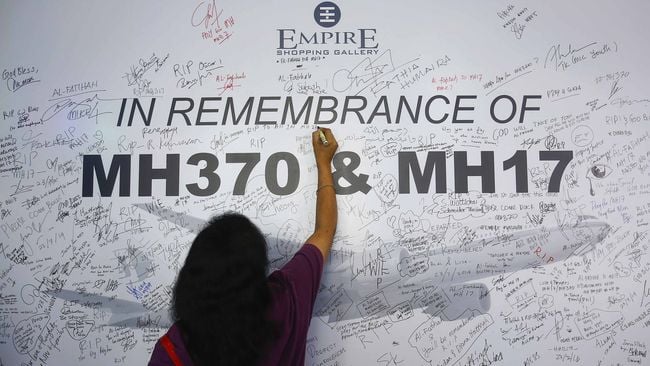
(327, 14)
(358, 41)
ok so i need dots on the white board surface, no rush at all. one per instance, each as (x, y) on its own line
(542, 260)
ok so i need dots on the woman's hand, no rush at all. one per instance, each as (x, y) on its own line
(323, 153)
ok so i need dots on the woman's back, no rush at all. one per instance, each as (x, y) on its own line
(226, 311)
(293, 291)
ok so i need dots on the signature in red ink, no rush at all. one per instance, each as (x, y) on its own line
(229, 82)
(219, 37)
(228, 85)
(214, 24)
(206, 13)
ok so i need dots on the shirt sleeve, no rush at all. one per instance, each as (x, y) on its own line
(304, 272)
(159, 356)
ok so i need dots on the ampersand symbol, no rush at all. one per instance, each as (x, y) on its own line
(346, 171)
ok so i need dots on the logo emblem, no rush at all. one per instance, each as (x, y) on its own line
(327, 14)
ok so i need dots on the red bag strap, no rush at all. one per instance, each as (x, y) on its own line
(169, 347)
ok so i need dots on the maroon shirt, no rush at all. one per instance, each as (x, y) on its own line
(293, 292)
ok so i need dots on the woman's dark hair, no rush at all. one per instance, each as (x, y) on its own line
(221, 297)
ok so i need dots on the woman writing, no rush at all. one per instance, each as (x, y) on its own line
(226, 310)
